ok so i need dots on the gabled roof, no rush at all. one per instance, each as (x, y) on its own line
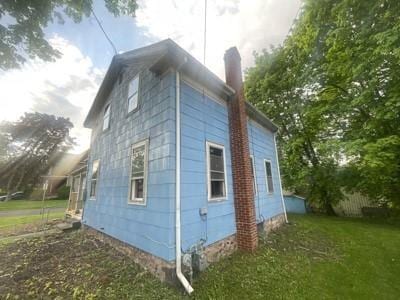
(159, 57)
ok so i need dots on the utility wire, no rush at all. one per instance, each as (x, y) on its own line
(205, 32)
(102, 29)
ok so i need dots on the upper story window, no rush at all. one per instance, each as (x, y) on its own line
(268, 174)
(138, 181)
(95, 176)
(253, 174)
(133, 94)
(217, 188)
(106, 117)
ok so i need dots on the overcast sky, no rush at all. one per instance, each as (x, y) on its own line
(67, 87)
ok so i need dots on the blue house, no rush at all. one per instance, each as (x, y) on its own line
(181, 167)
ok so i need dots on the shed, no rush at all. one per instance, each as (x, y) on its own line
(294, 203)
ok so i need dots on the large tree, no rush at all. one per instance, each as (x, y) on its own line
(32, 143)
(334, 88)
(22, 23)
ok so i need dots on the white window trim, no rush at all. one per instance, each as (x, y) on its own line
(254, 175)
(138, 93)
(143, 201)
(109, 117)
(97, 181)
(266, 177)
(210, 199)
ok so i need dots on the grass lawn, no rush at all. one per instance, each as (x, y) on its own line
(6, 222)
(313, 257)
(30, 204)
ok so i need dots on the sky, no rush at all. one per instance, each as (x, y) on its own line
(67, 87)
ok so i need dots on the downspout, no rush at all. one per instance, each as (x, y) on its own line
(178, 259)
(280, 181)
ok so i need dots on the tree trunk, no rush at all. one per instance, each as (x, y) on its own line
(329, 209)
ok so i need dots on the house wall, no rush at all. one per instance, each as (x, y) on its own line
(295, 205)
(148, 227)
(262, 146)
(203, 119)
(206, 119)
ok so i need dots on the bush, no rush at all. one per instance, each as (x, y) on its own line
(36, 194)
(63, 192)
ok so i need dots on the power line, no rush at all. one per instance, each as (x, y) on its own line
(205, 32)
(102, 29)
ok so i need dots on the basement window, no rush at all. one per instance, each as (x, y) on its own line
(217, 188)
(93, 180)
(106, 117)
(268, 174)
(133, 94)
(138, 177)
(253, 174)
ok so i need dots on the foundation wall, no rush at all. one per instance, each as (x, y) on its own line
(165, 270)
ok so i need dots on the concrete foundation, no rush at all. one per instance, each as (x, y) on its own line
(165, 270)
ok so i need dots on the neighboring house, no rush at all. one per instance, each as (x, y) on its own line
(61, 166)
(77, 182)
(175, 156)
(294, 203)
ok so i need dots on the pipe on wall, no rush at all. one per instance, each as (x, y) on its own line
(178, 253)
(280, 181)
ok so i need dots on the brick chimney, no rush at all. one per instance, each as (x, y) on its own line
(246, 226)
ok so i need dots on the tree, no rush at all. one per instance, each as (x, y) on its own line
(363, 60)
(285, 87)
(333, 88)
(34, 142)
(21, 32)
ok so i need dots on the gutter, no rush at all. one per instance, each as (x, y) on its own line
(178, 253)
(280, 181)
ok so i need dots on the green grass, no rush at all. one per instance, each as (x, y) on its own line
(7, 222)
(315, 257)
(30, 204)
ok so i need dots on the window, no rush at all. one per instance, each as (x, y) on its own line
(106, 118)
(133, 94)
(268, 174)
(216, 172)
(138, 181)
(253, 174)
(95, 175)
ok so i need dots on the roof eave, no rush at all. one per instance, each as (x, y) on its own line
(109, 79)
(259, 117)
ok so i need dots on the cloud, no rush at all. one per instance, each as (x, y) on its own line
(249, 25)
(64, 88)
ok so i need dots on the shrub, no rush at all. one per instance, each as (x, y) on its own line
(63, 192)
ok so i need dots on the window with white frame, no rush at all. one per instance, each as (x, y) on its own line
(138, 181)
(133, 94)
(268, 174)
(106, 117)
(95, 176)
(217, 188)
(253, 173)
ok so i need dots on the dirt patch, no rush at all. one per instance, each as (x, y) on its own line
(73, 265)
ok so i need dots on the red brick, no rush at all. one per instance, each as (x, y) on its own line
(241, 167)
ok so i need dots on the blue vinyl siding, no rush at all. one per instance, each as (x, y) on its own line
(149, 227)
(152, 227)
(203, 119)
(261, 145)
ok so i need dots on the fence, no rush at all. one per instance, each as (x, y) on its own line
(352, 205)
